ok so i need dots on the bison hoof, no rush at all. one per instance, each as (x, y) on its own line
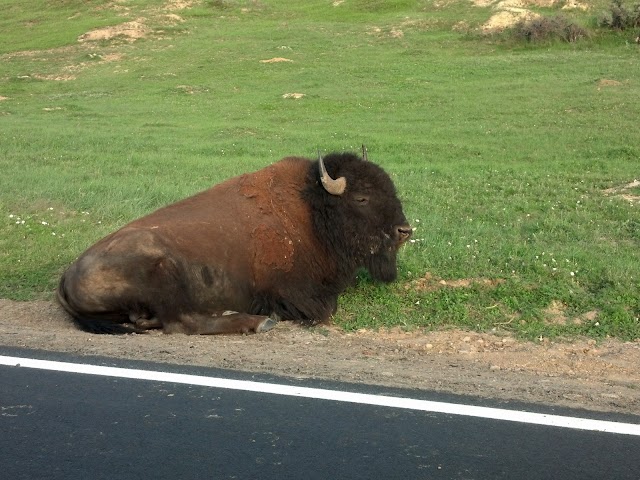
(266, 325)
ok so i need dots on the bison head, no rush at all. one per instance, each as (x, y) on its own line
(357, 214)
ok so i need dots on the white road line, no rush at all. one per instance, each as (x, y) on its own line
(334, 395)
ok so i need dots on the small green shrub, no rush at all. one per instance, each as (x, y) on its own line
(543, 29)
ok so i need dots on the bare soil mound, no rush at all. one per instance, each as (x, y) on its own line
(580, 374)
(510, 12)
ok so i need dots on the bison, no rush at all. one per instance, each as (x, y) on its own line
(279, 243)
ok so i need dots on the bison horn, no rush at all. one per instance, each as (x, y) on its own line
(334, 187)
(364, 153)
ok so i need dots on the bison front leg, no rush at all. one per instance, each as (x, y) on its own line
(143, 322)
(229, 322)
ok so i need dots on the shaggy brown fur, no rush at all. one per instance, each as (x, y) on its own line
(270, 245)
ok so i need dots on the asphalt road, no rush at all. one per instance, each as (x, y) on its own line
(56, 425)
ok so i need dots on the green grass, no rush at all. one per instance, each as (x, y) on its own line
(500, 151)
(40, 24)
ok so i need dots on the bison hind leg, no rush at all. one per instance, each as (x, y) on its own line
(228, 322)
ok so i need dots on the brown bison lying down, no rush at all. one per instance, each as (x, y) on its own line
(279, 243)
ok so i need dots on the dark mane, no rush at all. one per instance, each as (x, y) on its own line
(335, 218)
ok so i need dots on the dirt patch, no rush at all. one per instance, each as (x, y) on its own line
(507, 4)
(276, 60)
(129, 31)
(556, 314)
(174, 5)
(173, 19)
(504, 4)
(54, 78)
(483, 3)
(111, 57)
(510, 12)
(295, 96)
(575, 5)
(506, 19)
(624, 192)
(605, 82)
(430, 283)
(582, 373)
(398, 31)
(192, 89)
(116, 5)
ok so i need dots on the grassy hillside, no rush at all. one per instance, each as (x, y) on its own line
(515, 161)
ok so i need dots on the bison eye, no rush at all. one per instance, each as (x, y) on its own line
(361, 199)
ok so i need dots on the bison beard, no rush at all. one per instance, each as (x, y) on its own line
(279, 243)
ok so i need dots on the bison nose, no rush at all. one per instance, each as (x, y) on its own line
(403, 233)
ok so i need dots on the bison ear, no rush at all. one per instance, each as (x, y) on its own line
(364, 153)
(334, 187)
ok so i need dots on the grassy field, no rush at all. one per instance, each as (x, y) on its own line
(515, 161)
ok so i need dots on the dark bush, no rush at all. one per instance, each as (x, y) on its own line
(620, 17)
(542, 29)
